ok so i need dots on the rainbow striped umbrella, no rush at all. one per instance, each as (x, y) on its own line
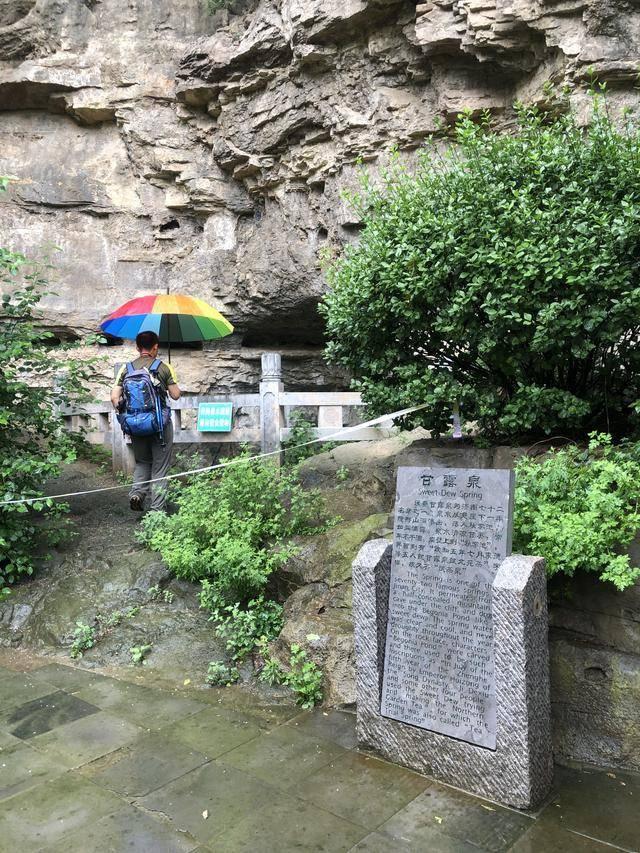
(173, 317)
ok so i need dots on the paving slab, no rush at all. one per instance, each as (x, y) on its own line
(44, 714)
(458, 816)
(128, 830)
(69, 678)
(432, 842)
(213, 731)
(225, 795)
(144, 706)
(40, 816)
(546, 837)
(283, 757)
(289, 824)
(362, 789)
(16, 688)
(7, 740)
(81, 741)
(144, 765)
(21, 767)
(615, 820)
(336, 726)
(259, 709)
(376, 843)
(21, 660)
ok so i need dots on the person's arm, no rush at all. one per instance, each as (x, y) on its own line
(173, 389)
(116, 396)
(116, 391)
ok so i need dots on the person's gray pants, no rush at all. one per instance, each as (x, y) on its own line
(152, 462)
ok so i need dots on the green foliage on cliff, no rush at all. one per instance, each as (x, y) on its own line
(502, 274)
(213, 6)
(580, 509)
(33, 442)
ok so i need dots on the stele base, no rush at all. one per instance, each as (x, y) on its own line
(519, 771)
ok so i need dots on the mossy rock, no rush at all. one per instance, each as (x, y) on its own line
(327, 557)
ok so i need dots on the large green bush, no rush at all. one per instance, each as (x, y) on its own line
(233, 527)
(580, 509)
(502, 275)
(33, 442)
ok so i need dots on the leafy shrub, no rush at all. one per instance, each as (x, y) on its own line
(139, 653)
(84, 638)
(579, 509)
(271, 672)
(221, 675)
(33, 444)
(156, 594)
(232, 526)
(304, 678)
(242, 628)
(106, 621)
(296, 447)
(302, 431)
(502, 276)
(342, 474)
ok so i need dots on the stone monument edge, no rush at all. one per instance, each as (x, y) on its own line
(519, 772)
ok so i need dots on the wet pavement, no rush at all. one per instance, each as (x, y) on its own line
(92, 764)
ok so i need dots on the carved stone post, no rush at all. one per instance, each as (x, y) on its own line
(271, 419)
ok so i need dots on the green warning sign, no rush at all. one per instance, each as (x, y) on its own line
(215, 417)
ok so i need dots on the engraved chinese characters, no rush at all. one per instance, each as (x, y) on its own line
(452, 531)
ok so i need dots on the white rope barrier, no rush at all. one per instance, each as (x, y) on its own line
(238, 460)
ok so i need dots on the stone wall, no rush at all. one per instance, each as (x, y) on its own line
(159, 146)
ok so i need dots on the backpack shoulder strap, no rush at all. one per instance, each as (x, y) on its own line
(154, 367)
(130, 368)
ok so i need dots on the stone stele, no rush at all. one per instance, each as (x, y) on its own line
(452, 532)
(518, 772)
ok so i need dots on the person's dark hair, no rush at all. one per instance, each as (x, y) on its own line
(146, 340)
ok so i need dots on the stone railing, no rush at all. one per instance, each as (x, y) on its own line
(258, 419)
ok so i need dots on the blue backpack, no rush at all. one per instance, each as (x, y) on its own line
(144, 412)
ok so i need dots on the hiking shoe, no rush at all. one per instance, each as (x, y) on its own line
(136, 503)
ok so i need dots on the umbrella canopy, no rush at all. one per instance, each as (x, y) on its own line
(174, 318)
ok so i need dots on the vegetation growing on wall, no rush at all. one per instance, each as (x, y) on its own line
(502, 275)
(580, 509)
(33, 443)
(213, 6)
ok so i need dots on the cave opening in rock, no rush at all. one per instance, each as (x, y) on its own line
(169, 225)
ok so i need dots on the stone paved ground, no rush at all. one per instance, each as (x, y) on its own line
(91, 764)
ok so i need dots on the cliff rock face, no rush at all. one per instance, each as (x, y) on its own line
(159, 146)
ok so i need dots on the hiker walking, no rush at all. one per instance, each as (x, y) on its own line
(140, 398)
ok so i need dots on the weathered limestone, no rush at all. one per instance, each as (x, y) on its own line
(161, 146)
(519, 771)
